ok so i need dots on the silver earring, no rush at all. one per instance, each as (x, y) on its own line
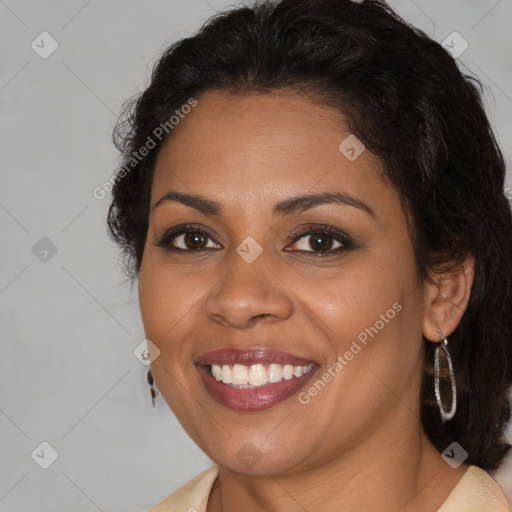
(443, 345)
(154, 392)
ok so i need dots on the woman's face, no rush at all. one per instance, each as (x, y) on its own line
(323, 287)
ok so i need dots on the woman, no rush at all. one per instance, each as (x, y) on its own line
(311, 199)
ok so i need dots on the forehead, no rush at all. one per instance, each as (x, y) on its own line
(261, 145)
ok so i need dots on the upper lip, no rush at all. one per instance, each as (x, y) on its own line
(260, 355)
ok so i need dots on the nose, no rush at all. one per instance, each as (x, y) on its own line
(248, 294)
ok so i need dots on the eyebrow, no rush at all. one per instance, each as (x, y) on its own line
(286, 207)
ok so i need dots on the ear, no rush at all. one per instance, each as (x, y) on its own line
(446, 299)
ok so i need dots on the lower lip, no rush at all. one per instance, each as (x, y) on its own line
(254, 399)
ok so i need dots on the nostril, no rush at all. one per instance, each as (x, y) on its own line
(262, 316)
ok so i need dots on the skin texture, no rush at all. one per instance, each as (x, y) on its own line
(358, 443)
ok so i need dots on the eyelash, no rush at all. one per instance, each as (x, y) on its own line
(345, 240)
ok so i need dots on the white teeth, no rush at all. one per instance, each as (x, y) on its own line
(239, 374)
(226, 374)
(275, 373)
(256, 375)
(288, 371)
(217, 372)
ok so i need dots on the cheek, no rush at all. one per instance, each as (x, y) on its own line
(162, 301)
(374, 348)
(354, 295)
(168, 303)
(370, 313)
(171, 301)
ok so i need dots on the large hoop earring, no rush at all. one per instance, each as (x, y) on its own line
(443, 345)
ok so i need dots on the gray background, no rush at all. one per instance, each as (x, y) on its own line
(70, 323)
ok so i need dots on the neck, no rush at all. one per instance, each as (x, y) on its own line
(398, 471)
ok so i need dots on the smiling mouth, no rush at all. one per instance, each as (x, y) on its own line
(253, 379)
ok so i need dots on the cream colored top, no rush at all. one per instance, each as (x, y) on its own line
(476, 491)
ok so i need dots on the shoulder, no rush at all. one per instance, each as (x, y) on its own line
(192, 497)
(476, 491)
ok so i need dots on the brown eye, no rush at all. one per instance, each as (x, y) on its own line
(195, 240)
(319, 242)
(190, 241)
(187, 239)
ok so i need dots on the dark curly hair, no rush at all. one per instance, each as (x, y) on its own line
(405, 97)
